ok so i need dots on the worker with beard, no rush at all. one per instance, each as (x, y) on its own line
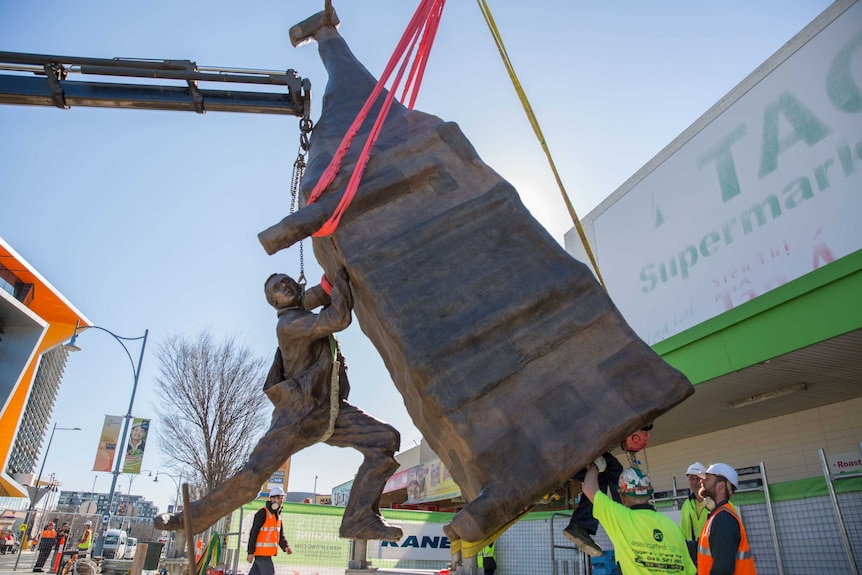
(723, 547)
(267, 535)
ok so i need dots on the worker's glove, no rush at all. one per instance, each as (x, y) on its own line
(600, 463)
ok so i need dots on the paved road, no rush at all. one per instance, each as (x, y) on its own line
(25, 562)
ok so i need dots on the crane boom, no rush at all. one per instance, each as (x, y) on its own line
(42, 80)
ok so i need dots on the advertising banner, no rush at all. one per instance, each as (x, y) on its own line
(108, 443)
(766, 192)
(137, 444)
(430, 481)
(420, 542)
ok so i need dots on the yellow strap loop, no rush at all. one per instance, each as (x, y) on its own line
(498, 41)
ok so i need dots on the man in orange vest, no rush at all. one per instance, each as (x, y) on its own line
(267, 535)
(723, 547)
(46, 544)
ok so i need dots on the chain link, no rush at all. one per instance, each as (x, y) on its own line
(305, 127)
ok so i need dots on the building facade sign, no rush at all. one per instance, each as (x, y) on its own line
(765, 193)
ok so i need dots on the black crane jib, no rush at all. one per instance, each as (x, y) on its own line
(41, 80)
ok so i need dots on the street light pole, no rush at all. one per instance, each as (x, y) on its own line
(178, 482)
(136, 370)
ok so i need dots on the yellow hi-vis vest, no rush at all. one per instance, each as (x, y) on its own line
(86, 539)
(268, 537)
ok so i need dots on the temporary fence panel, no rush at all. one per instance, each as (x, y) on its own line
(830, 478)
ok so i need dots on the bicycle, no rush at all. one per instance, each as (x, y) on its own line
(79, 566)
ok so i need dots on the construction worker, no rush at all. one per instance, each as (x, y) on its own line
(47, 540)
(645, 541)
(487, 559)
(267, 535)
(694, 512)
(86, 540)
(723, 547)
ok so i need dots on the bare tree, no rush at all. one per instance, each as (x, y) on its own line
(210, 409)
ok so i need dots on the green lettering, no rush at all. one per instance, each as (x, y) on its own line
(799, 190)
(720, 153)
(846, 157)
(687, 262)
(648, 276)
(840, 85)
(757, 210)
(821, 176)
(806, 127)
(709, 244)
(726, 231)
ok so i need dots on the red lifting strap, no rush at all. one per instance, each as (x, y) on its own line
(424, 24)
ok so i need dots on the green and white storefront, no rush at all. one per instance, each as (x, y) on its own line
(737, 254)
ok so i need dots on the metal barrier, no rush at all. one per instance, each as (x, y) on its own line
(830, 479)
(586, 566)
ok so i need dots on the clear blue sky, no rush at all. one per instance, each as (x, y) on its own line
(149, 219)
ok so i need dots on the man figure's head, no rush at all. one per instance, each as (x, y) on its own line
(276, 498)
(693, 474)
(635, 487)
(719, 482)
(282, 291)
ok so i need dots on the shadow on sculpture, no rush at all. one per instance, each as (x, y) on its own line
(308, 387)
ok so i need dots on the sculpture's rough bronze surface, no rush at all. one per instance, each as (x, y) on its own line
(513, 362)
(300, 385)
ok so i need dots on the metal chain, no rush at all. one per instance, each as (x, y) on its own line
(305, 127)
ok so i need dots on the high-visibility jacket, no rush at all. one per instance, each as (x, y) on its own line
(269, 535)
(487, 556)
(86, 539)
(47, 539)
(744, 558)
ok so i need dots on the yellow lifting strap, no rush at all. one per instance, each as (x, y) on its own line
(472, 548)
(498, 40)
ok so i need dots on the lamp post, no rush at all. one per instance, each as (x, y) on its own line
(177, 482)
(136, 371)
(34, 491)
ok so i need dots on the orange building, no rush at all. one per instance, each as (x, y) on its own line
(35, 319)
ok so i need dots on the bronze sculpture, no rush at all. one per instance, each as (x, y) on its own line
(513, 362)
(308, 387)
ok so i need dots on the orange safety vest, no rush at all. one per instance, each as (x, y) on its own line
(744, 558)
(48, 534)
(269, 535)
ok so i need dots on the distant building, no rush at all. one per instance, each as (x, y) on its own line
(34, 320)
(134, 507)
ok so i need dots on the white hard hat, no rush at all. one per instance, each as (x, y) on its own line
(88, 523)
(695, 468)
(633, 481)
(725, 471)
(276, 491)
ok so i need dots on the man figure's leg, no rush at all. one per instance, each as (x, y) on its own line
(378, 442)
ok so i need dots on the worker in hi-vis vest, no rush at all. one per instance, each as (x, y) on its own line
(86, 540)
(488, 560)
(267, 535)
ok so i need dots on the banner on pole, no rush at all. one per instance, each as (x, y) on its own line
(137, 444)
(108, 443)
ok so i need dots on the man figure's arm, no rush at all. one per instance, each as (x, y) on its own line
(333, 318)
